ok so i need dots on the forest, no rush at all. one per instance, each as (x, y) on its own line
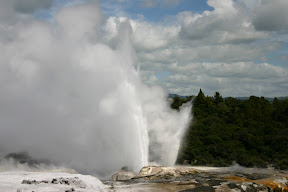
(223, 131)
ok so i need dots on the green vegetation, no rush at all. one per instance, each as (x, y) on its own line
(252, 132)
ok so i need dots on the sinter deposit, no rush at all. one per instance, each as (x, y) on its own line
(199, 179)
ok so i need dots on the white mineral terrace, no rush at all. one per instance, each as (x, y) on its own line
(12, 181)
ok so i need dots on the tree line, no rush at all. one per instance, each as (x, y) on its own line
(252, 132)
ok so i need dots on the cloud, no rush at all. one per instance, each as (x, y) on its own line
(156, 36)
(171, 2)
(233, 79)
(11, 11)
(153, 3)
(148, 3)
(83, 23)
(225, 24)
(29, 6)
(191, 46)
(271, 16)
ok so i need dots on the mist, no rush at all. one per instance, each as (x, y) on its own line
(70, 97)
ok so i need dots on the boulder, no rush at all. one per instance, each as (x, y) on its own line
(159, 172)
(149, 171)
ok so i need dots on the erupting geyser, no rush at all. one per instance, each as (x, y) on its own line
(69, 97)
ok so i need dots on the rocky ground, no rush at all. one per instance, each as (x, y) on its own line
(151, 178)
(15, 181)
(198, 179)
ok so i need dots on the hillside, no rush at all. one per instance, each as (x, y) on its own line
(251, 132)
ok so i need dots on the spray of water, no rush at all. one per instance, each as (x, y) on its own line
(68, 97)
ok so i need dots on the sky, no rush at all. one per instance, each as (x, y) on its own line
(235, 47)
(238, 48)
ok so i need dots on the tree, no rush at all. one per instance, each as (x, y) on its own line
(217, 98)
(252, 132)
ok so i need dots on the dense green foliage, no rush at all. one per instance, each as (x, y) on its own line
(252, 132)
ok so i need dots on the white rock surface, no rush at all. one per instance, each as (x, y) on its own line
(12, 181)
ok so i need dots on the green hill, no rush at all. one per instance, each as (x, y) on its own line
(251, 132)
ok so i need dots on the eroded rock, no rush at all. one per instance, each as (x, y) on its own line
(166, 173)
(62, 181)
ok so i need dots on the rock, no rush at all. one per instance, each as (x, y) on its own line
(232, 186)
(166, 173)
(62, 181)
(42, 181)
(122, 175)
(271, 183)
(45, 181)
(201, 189)
(70, 190)
(28, 182)
(54, 181)
(209, 179)
(149, 171)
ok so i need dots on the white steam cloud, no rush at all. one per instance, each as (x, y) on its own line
(68, 97)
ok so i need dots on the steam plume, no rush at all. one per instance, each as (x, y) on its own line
(68, 97)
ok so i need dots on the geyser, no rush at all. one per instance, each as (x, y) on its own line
(69, 97)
